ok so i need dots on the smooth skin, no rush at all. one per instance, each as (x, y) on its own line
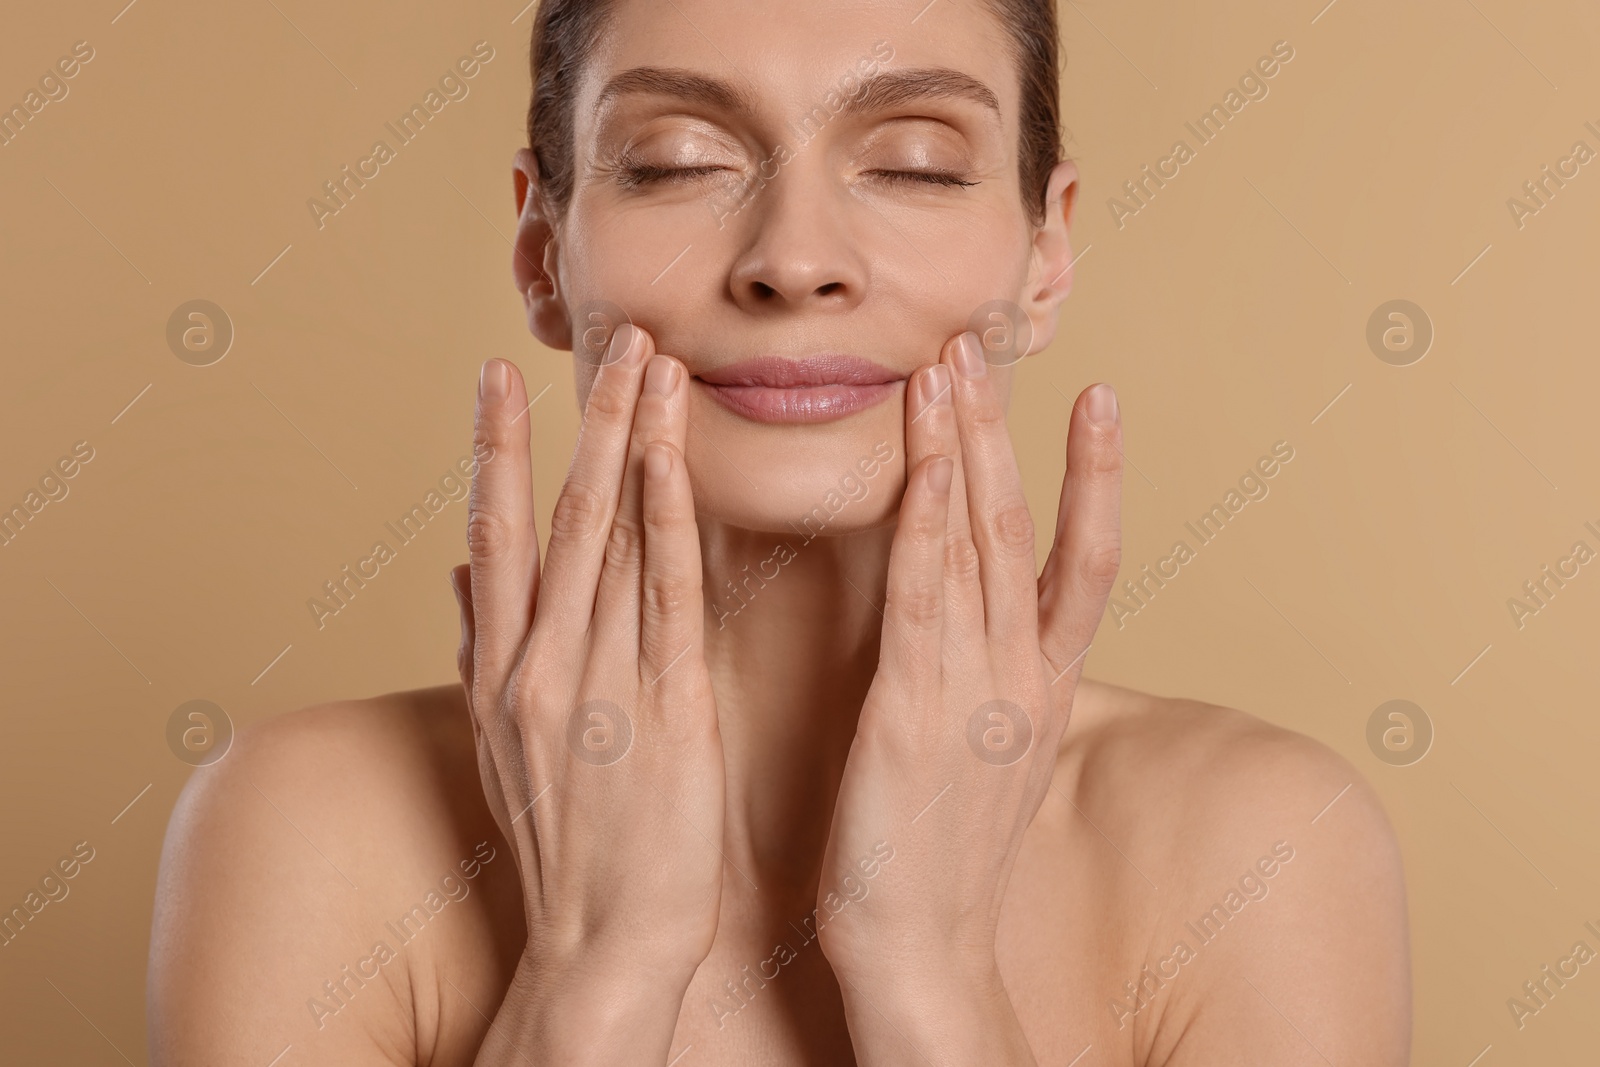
(806, 852)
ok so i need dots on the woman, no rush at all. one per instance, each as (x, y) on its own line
(768, 759)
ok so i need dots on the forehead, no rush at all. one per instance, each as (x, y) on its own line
(787, 56)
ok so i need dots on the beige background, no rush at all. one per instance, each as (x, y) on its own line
(1229, 313)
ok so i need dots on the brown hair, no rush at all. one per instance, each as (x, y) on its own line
(565, 31)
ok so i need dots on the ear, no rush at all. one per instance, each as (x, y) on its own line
(1050, 276)
(534, 258)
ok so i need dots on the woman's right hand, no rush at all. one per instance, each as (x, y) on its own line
(593, 712)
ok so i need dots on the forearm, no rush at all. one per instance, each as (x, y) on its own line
(584, 1017)
(936, 1016)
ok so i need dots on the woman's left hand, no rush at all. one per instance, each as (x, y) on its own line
(957, 739)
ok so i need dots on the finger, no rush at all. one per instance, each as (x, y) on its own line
(1087, 551)
(931, 430)
(496, 589)
(503, 547)
(580, 523)
(461, 585)
(489, 763)
(672, 616)
(913, 616)
(1002, 528)
(658, 417)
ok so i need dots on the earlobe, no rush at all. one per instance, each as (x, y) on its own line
(534, 258)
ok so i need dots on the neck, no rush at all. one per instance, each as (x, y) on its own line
(792, 632)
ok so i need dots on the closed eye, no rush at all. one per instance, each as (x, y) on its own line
(634, 175)
(930, 177)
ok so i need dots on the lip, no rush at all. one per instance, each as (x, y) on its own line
(818, 388)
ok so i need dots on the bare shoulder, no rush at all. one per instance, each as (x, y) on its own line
(1279, 925)
(362, 786)
(320, 836)
(1209, 765)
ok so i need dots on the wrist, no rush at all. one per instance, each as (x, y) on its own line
(933, 1014)
(856, 955)
(929, 984)
(594, 1011)
(609, 959)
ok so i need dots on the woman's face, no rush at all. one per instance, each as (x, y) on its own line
(833, 182)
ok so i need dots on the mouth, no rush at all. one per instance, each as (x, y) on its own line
(820, 388)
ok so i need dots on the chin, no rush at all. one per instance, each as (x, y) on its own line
(804, 479)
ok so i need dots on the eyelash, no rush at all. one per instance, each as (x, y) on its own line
(932, 177)
(634, 175)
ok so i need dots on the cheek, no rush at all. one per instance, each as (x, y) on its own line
(983, 260)
(632, 253)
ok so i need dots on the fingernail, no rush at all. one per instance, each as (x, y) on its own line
(659, 376)
(623, 347)
(1101, 405)
(969, 356)
(494, 381)
(940, 473)
(936, 385)
(657, 461)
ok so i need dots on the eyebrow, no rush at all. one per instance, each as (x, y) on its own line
(881, 92)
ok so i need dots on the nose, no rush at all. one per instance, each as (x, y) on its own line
(799, 252)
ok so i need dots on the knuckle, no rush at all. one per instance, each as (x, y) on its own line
(607, 400)
(989, 418)
(486, 533)
(920, 604)
(1102, 559)
(484, 437)
(520, 709)
(1101, 469)
(1012, 526)
(663, 510)
(1105, 462)
(961, 560)
(664, 598)
(578, 512)
(926, 526)
(662, 515)
(485, 705)
(625, 545)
